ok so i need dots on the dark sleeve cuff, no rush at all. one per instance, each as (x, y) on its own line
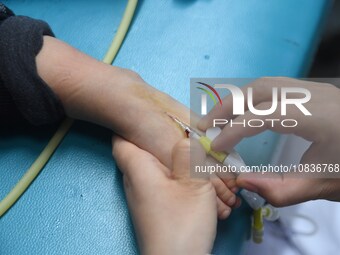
(21, 39)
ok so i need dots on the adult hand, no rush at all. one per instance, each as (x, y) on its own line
(322, 129)
(285, 190)
(172, 213)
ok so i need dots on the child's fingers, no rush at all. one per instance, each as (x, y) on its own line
(223, 211)
(229, 180)
(238, 203)
(222, 191)
(227, 177)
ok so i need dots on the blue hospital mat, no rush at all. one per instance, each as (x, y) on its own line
(77, 204)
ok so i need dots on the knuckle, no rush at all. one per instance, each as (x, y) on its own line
(226, 195)
(214, 180)
(131, 74)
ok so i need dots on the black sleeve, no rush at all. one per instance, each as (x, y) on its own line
(23, 94)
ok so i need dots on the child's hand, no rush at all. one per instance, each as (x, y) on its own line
(172, 213)
(118, 99)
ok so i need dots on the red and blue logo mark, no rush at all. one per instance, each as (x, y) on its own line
(210, 91)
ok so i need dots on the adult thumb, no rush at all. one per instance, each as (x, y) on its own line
(279, 190)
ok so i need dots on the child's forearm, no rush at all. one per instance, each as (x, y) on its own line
(117, 99)
(112, 97)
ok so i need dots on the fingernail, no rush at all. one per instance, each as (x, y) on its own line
(232, 200)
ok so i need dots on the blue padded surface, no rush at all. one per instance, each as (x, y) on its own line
(77, 205)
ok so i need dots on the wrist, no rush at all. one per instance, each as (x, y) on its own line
(101, 98)
(81, 82)
(111, 97)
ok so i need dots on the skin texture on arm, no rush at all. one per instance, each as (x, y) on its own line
(120, 100)
(112, 97)
(322, 129)
(172, 213)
